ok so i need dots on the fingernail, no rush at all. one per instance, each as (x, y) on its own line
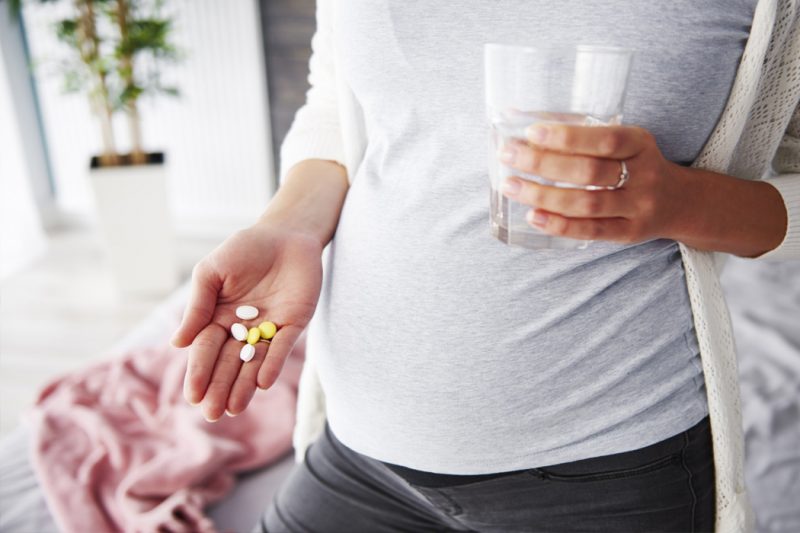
(511, 187)
(537, 218)
(507, 154)
(188, 397)
(536, 133)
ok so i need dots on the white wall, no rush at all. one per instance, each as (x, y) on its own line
(216, 134)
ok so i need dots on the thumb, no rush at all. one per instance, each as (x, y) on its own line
(200, 307)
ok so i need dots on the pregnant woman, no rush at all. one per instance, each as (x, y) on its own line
(469, 385)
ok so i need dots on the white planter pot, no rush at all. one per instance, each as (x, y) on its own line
(133, 212)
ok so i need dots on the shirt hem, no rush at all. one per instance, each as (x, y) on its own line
(466, 464)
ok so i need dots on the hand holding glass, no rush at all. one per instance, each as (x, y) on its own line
(582, 85)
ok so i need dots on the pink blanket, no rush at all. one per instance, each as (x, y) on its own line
(116, 447)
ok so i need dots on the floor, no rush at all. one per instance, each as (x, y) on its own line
(63, 312)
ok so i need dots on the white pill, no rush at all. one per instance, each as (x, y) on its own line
(247, 353)
(239, 331)
(246, 312)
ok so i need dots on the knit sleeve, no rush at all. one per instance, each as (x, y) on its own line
(315, 132)
(787, 181)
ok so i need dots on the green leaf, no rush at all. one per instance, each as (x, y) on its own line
(66, 31)
(74, 81)
(147, 34)
(14, 7)
(170, 91)
(125, 72)
(130, 94)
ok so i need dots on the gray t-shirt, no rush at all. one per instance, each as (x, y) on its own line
(440, 348)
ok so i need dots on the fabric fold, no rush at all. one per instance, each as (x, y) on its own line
(117, 448)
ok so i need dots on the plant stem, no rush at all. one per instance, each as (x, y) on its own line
(89, 48)
(131, 109)
(138, 156)
(110, 155)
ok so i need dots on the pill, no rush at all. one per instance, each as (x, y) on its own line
(247, 353)
(253, 335)
(239, 331)
(246, 312)
(268, 330)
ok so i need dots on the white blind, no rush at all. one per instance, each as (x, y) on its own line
(216, 135)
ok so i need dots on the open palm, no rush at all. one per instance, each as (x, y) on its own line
(276, 271)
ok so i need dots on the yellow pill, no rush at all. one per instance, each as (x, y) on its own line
(253, 334)
(267, 329)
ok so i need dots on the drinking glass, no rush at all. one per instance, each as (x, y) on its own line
(583, 85)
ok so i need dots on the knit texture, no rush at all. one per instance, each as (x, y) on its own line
(787, 165)
(762, 101)
(776, 110)
(759, 131)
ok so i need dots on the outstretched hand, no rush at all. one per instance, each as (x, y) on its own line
(276, 271)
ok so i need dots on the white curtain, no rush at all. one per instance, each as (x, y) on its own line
(22, 238)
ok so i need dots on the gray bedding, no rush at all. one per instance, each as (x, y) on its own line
(764, 299)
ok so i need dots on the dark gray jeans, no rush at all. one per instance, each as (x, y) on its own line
(668, 486)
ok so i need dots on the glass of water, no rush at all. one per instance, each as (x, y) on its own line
(583, 85)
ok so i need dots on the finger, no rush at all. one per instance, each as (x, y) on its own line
(588, 229)
(203, 354)
(245, 385)
(225, 372)
(569, 202)
(173, 525)
(612, 142)
(196, 519)
(557, 166)
(200, 307)
(279, 349)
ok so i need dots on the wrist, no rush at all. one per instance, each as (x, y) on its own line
(774, 217)
(700, 207)
(291, 224)
(686, 195)
(310, 200)
(718, 212)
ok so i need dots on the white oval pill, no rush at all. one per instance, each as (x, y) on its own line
(239, 331)
(247, 353)
(246, 312)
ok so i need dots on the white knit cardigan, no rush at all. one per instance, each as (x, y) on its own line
(758, 136)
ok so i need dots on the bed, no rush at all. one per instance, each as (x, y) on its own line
(22, 505)
(764, 300)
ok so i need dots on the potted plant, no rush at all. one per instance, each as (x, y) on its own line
(117, 48)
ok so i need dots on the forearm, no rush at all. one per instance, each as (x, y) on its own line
(727, 214)
(310, 199)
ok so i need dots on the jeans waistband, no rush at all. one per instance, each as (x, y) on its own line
(626, 459)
